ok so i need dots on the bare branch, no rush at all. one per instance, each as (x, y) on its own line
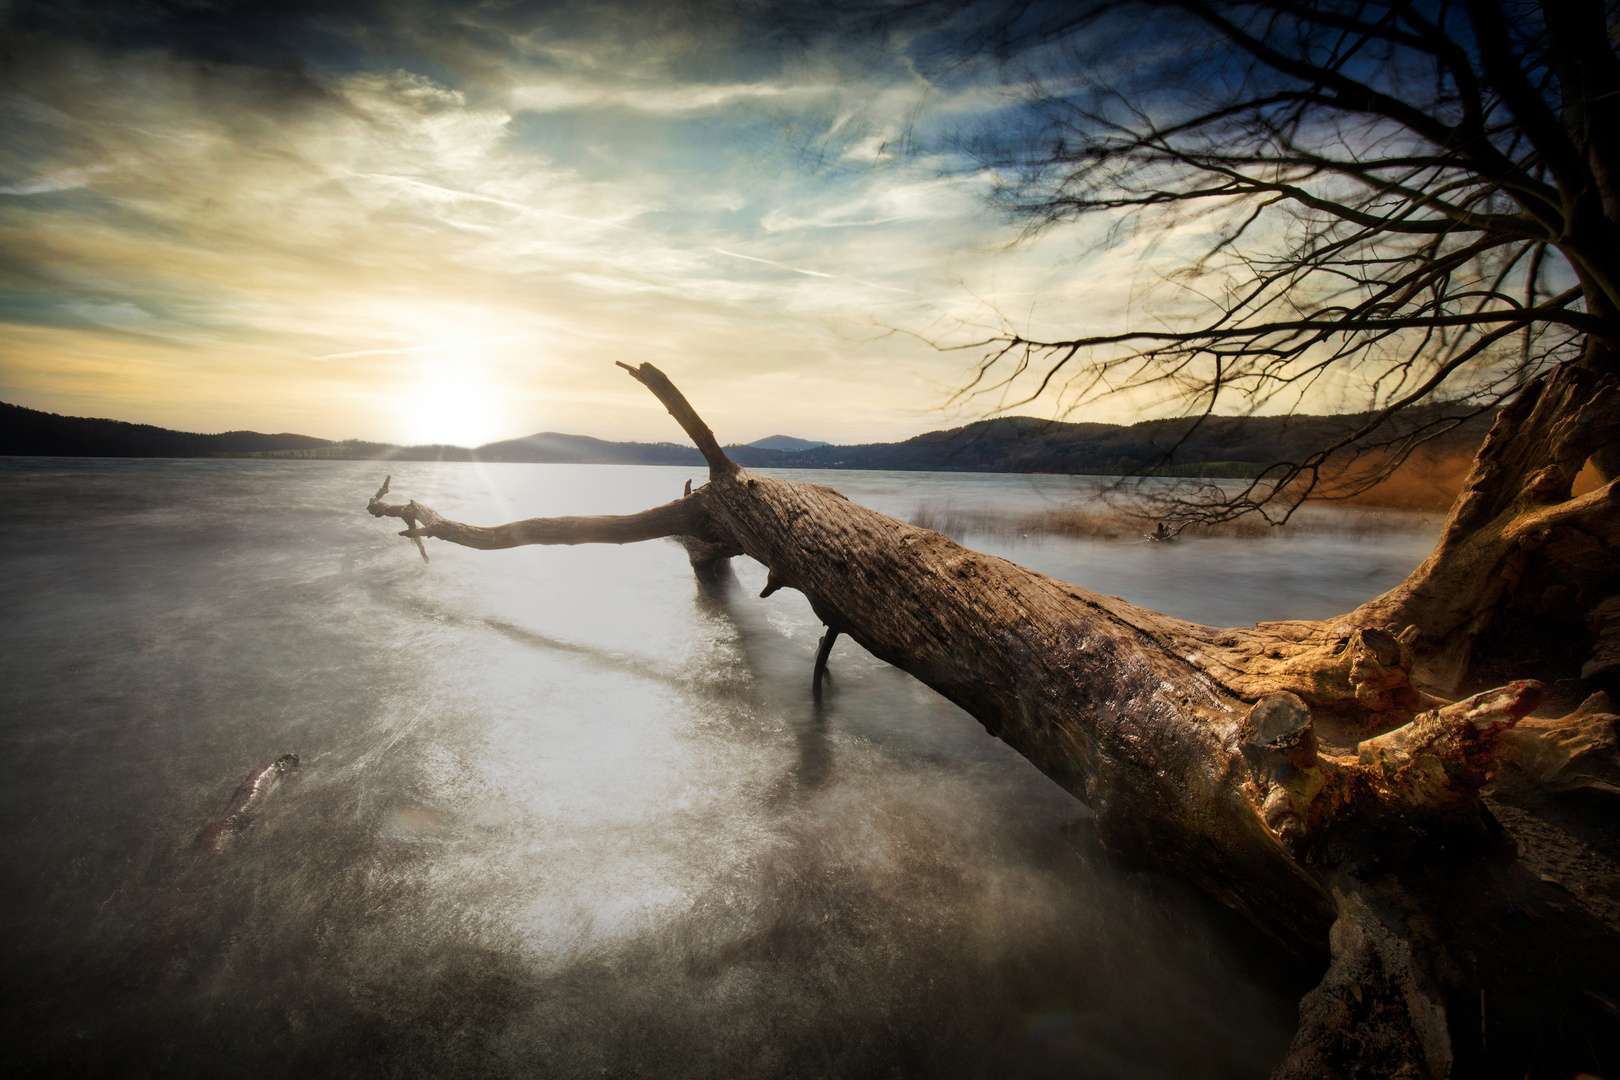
(684, 517)
(685, 415)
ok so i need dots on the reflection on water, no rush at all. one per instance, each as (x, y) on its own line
(562, 812)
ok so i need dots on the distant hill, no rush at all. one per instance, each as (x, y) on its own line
(785, 442)
(553, 448)
(1225, 446)
(1220, 446)
(550, 447)
(28, 431)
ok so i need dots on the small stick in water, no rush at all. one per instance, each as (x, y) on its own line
(823, 651)
(249, 795)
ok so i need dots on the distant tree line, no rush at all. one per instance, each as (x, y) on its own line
(1226, 446)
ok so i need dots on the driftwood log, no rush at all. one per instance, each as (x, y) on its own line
(1322, 778)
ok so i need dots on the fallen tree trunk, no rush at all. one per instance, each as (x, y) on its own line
(1281, 768)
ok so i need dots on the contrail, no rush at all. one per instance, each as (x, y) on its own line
(418, 348)
(810, 273)
(772, 262)
(410, 182)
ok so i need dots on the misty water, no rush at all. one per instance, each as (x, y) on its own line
(567, 811)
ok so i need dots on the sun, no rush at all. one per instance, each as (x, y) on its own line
(454, 401)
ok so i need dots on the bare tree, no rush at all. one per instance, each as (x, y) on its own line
(1418, 195)
(1418, 199)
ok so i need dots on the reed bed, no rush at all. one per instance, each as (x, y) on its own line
(1124, 524)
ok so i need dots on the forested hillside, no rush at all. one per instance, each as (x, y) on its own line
(1222, 446)
(29, 431)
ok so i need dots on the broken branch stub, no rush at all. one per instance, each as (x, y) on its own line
(1435, 765)
(1279, 743)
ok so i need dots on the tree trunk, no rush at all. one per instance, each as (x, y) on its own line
(1294, 771)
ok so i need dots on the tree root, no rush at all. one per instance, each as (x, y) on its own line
(1578, 752)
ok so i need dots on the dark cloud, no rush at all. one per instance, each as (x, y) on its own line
(355, 35)
(454, 41)
(285, 35)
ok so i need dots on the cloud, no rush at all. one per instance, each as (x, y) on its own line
(665, 99)
(408, 350)
(903, 199)
(493, 205)
(61, 180)
(808, 273)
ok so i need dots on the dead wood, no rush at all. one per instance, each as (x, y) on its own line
(1275, 765)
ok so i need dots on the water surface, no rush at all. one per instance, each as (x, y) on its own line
(565, 811)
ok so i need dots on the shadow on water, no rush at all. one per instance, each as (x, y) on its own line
(720, 593)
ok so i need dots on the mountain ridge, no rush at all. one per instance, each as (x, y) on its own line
(1217, 446)
(786, 442)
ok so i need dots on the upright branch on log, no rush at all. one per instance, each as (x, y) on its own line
(1270, 766)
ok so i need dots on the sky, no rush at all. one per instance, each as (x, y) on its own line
(416, 221)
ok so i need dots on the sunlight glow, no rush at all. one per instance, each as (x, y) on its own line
(453, 400)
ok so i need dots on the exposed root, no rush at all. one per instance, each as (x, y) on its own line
(1578, 752)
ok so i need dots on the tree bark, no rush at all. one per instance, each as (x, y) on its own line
(1281, 768)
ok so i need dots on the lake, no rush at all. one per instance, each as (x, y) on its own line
(568, 811)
